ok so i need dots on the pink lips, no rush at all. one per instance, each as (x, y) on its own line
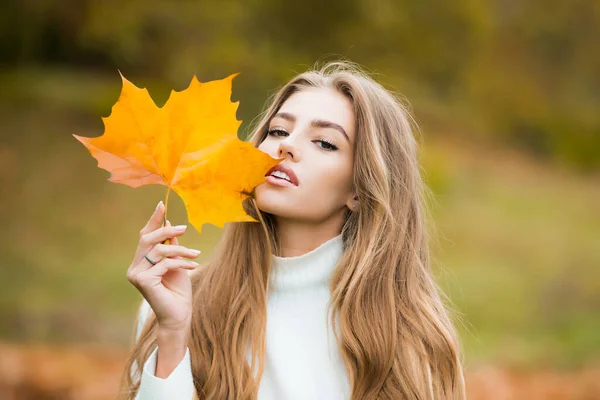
(287, 170)
(279, 181)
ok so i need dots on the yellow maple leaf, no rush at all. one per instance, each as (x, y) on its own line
(189, 145)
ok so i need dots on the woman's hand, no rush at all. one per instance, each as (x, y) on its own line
(167, 285)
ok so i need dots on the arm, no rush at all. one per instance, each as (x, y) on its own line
(167, 374)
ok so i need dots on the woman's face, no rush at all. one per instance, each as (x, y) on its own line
(314, 133)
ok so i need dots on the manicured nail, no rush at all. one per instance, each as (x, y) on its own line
(194, 263)
(194, 251)
(180, 227)
(158, 205)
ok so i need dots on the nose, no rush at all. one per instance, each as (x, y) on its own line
(287, 147)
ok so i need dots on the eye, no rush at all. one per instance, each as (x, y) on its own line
(325, 144)
(276, 132)
(328, 145)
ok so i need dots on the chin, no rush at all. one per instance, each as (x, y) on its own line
(273, 202)
(269, 206)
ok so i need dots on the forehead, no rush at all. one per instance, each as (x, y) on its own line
(321, 103)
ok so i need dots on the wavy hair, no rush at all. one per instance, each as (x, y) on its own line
(392, 325)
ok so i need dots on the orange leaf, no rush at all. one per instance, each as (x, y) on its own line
(189, 145)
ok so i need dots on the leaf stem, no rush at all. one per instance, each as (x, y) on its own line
(166, 241)
(166, 206)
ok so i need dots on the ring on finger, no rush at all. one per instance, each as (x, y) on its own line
(150, 260)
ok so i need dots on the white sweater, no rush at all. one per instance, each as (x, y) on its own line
(302, 360)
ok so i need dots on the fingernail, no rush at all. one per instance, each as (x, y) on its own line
(158, 205)
(194, 263)
(180, 227)
(194, 251)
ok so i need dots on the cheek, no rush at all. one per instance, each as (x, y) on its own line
(267, 146)
(332, 181)
(324, 187)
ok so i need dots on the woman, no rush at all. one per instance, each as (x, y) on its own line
(331, 295)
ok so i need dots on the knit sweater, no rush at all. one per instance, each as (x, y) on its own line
(302, 360)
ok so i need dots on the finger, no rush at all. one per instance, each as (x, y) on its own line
(172, 251)
(173, 240)
(155, 220)
(159, 235)
(165, 265)
(150, 260)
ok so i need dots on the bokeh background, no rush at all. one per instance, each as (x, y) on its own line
(507, 96)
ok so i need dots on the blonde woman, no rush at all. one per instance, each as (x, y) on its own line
(331, 295)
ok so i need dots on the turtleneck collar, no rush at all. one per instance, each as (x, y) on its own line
(307, 270)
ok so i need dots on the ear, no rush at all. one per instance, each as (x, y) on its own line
(352, 203)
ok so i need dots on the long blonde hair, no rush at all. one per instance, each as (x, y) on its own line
(395, 335)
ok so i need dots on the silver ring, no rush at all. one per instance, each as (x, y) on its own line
(149, 260)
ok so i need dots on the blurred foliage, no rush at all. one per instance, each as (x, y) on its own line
(520, 72)
(517, 251)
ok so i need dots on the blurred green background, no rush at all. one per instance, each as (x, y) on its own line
(507, 95)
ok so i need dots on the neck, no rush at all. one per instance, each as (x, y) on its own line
(297, 238)
(309, 270)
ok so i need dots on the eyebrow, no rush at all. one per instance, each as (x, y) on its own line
(317, 123)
